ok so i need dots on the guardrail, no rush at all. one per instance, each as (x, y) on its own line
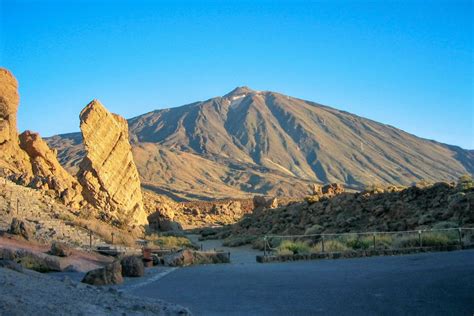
(394, 240)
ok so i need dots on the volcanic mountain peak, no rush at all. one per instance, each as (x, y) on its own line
(240, 91)
(264, 142)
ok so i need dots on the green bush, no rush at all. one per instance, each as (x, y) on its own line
(331, 245)
(357, 242)
(311, 199)
(428, 239)
(295, 247)
(170, 242)
(313, 230)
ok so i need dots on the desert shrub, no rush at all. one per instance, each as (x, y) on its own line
(104, 231)
(428, 239)
(357, 242)
(296, 247)
(435, 239)
(446, 224)
(423, 184)
(311, 199)
(313, 230)
(330, 245)
(208, 232)
(285, 252)
(383, 241)
(465, 183)
(66, 216)
(170, 242)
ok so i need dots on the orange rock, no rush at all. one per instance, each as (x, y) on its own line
(12, 159)
(108, 173)
(48, 172)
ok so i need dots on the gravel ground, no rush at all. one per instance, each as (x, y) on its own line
(32, 293)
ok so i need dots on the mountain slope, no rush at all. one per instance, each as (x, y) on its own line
(264, 142)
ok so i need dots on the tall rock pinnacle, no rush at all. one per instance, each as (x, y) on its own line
(108, 173)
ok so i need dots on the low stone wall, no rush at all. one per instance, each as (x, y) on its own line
(356, 254)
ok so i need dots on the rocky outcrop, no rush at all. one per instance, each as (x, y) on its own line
(263, 202)
(48, 173)
(108, 173)
(332, 189)
(441, 205)
(31, 260)
(13, 161)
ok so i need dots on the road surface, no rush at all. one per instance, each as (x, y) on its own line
(428, 284)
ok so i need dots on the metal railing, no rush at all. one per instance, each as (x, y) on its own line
(353, 241)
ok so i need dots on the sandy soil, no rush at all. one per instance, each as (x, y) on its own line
(80, 260)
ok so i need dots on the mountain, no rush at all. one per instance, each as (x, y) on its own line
(248, 142)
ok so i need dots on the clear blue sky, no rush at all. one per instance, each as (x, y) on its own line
(404, 63)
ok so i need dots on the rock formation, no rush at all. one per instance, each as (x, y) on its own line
(13, 161)
(332, 189)
(263, 202)
(108, 173)
(48, 173)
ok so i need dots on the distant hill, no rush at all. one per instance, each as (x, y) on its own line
(249, 142)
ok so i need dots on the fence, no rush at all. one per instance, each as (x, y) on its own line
(324, 243)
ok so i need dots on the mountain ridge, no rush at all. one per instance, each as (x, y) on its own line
(268, 143)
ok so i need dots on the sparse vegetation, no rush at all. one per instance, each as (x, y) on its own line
(465, 183)
(329, 246)
(170, 242)
(311, 199)
(295, 247)
(104, 231)
(364, 242)
(428, 239)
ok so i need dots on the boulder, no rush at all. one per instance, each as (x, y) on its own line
(60, 250)
(48, 172)
(132, 267)
(179, 259)
(108, 173)
(232, 208)
(162, 221)
(36, 261)
(20, 228)
(108, 275)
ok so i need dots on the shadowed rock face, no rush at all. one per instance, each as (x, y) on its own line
(48, 172)
(108, 173)
(12, 158)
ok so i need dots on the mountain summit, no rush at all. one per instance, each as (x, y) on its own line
(248, 142)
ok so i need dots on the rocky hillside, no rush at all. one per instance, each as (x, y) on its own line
(441, 205)
(249, 142)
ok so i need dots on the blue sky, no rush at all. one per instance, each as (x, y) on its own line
(405, 63)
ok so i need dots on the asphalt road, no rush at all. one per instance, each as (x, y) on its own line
(421, 284)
